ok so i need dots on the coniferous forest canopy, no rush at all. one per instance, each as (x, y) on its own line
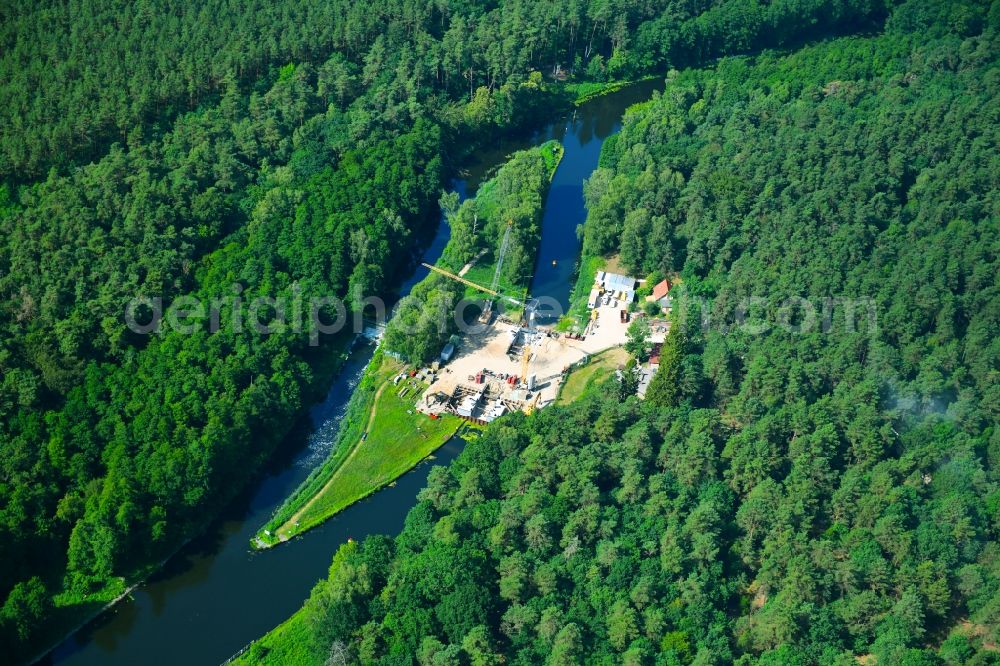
(779, 497)
(785, 498)
(476, 228)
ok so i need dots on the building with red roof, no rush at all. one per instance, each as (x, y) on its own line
(661, 289)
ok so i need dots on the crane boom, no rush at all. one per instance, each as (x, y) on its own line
(469, 283)
(504, 244)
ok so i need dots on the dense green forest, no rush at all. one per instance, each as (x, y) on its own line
(234, 150)
(425, 318)
(791, 494)
(80, 75)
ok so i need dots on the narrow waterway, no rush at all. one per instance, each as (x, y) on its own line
(216, 595)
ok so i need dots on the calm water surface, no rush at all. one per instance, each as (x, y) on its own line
(216, 595)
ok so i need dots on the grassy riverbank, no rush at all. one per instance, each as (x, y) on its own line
(588, 90)
(382, 436)
(288, 643)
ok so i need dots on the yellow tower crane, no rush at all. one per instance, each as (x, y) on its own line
(459, 278)
(470, 283)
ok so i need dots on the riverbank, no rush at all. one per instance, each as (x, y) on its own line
(371, 448)
(381, 438)
(213, 577)
(288, 643)
(588, 91)
(349, 431)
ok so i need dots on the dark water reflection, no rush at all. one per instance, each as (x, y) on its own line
(216, 595)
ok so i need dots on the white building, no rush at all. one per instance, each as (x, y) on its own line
(469, 404)
(622, 286)
(495, 411)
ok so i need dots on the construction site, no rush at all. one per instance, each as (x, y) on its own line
(510, 365)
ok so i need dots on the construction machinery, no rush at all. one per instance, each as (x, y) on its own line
(525, 359)
(469, 283)
(504, 245)
(492, 289)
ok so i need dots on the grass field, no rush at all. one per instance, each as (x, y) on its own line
(601, 367)
(578, 312)
(394, 439)
(288, 643)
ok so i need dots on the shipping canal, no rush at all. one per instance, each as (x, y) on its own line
(216, 595)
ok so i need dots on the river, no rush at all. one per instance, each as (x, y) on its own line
(216, 595)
